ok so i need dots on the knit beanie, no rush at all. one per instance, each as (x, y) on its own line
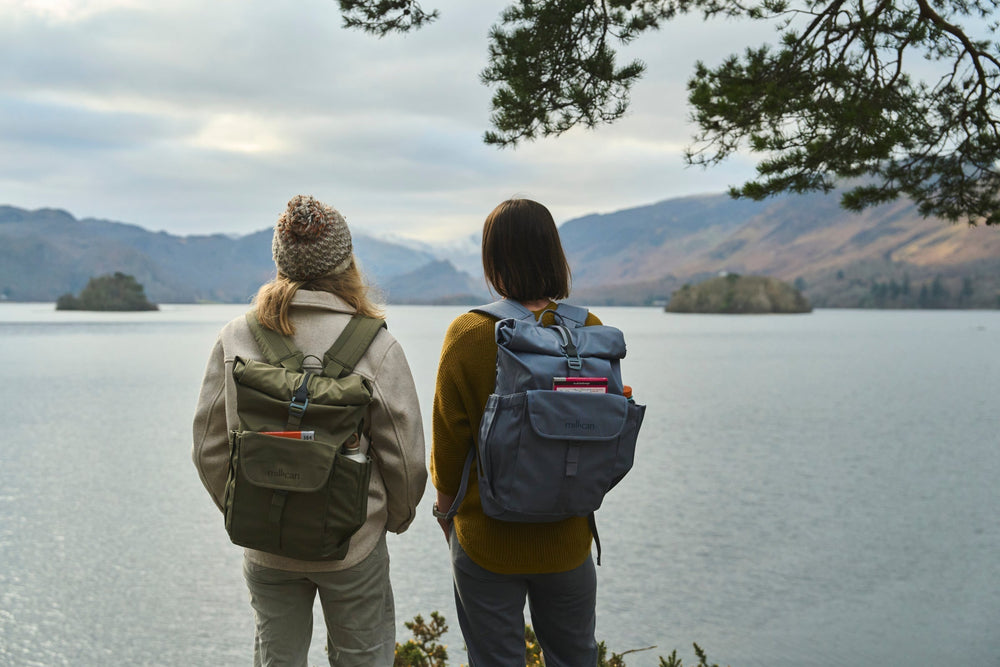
(311, 240)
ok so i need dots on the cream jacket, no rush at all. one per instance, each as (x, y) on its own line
(394, 431)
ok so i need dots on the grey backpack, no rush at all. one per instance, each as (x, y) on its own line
(545, 454)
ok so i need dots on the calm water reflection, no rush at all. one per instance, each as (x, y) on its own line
(809, 490)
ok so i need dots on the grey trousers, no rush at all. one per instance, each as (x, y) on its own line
(491, 613)
(357, 605)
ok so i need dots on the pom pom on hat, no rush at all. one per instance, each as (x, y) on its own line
(311, 240)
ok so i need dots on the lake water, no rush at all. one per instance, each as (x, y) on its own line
(808, 490)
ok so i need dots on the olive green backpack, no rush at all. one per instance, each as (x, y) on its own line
(300, 498)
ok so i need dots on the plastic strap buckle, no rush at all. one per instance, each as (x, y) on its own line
(296, 409)
(569, 348)
(300, 401)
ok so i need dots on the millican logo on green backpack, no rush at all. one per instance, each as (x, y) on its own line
(280, 472)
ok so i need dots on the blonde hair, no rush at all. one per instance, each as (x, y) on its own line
(274, 298)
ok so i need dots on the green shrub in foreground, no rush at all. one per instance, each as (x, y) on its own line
(425, 651)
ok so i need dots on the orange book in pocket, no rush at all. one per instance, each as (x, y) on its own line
(295, 435)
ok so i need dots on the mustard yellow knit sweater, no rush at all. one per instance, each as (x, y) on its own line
(465, 380)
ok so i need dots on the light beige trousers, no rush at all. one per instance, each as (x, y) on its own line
(357, 606)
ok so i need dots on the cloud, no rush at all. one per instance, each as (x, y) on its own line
(206, 117)
(239, 133)
(70, 10)
(75, 129)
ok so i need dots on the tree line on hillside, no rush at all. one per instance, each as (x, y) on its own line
(855, 287)
(888, 294)
(900, 292)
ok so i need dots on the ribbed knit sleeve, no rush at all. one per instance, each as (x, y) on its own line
(466, 376)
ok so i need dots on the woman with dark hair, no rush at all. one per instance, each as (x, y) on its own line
(497, 564)
(317, 290)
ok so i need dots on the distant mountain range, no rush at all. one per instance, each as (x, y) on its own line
(885, 257)
(48, 252)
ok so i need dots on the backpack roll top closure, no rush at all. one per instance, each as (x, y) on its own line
(530, 355)
(282, 383)
(599, 341)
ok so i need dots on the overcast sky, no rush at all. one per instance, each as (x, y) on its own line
(205, 116)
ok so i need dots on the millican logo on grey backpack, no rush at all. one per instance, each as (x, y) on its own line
(280, 472)
(580, 426)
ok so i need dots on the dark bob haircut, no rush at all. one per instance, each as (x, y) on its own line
(523, 258)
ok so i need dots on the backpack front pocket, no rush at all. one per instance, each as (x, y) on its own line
(288, 464)
(554, 454)
(286, 496)
(347, 508)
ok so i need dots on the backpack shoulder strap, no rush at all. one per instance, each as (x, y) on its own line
(351, 345)
(463, 486)
(576, 315)
(277, 348)
(507, 308)
(503, 309)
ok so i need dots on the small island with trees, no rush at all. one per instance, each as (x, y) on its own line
(736, 294)
(118, 291)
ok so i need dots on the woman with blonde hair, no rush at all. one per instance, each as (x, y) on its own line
(317, 290)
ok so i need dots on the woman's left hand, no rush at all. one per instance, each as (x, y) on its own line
(443, 504)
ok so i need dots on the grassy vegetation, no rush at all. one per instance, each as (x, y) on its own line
(425, 649)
